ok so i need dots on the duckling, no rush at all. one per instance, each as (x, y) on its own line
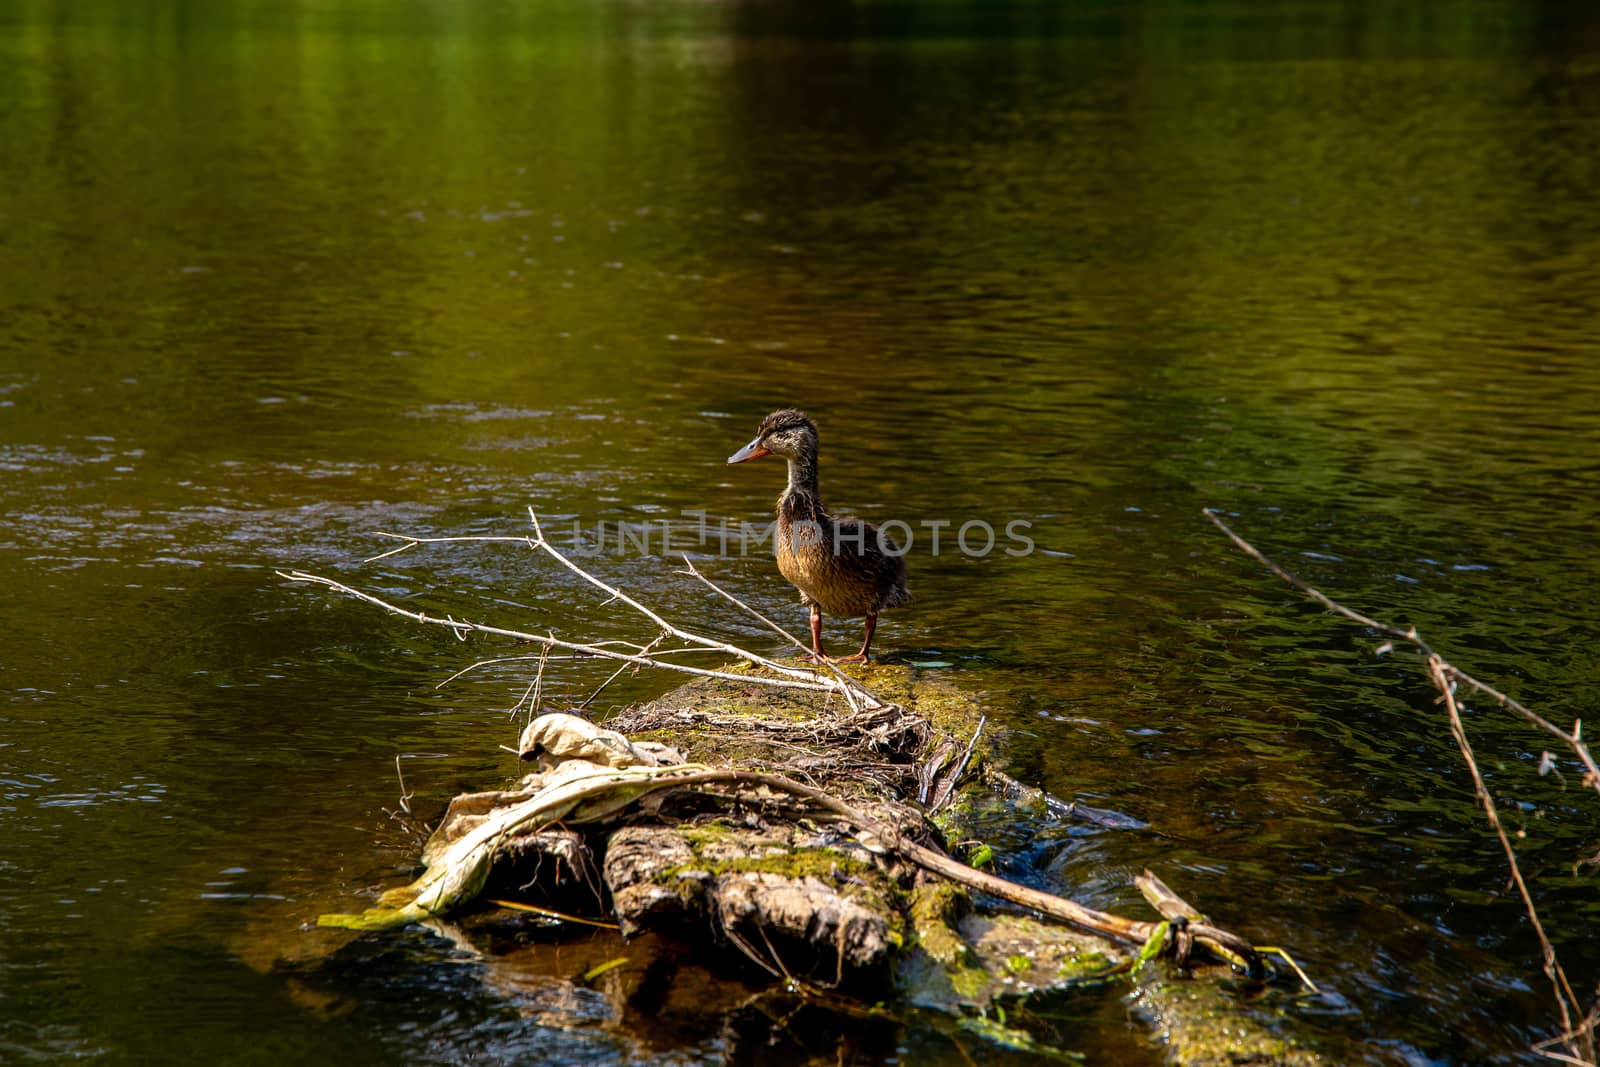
(841, 566)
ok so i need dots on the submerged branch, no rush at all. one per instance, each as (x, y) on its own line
(1566, 1000)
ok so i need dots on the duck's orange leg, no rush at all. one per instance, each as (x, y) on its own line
(817, 655)
(861, 657)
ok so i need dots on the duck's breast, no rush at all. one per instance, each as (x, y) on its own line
(800, 546)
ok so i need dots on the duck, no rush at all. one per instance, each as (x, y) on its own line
(841, 566)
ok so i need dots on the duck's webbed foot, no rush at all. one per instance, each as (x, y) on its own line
(866, 643)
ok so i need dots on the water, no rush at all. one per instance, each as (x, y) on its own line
(277, 276)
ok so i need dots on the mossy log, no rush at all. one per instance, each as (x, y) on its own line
(674, 822)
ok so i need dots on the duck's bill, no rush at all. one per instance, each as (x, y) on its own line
(753, 450)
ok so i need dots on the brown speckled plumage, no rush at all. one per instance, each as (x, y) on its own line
(841, 566)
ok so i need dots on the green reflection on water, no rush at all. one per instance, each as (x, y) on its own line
(275, 275)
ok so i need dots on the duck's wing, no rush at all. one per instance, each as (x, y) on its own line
(871, 555)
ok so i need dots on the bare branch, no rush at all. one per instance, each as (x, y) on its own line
(1577, 1040)
(851, 687)
(464, 626)
(853, 691)
(683, 635)
(618, 673)
(1566, 1000)
(1573, 740)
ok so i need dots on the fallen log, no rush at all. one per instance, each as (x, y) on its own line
(800, 818)
(840, 886)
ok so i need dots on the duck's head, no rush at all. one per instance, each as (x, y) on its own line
(787, 433)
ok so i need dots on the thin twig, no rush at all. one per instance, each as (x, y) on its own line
(851, 686)
(1566, 1000)
(618, 673)
(538, 686)
(413, 542)
(551, 913)
(1446, 677)
(1562, 1057)
(954, 778)
(405, 797)
(463, 626)
(490, 663)
(1573, 740)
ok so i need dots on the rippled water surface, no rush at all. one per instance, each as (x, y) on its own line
(276, 276)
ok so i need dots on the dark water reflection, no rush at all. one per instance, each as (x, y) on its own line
(276, 276)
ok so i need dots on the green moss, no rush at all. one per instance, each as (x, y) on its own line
(997, 1032)
(934, 908)
(1019, 964)
(703, 833)
(823, 864)
(969, 983)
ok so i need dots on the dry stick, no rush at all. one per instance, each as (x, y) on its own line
(537, 689)
(413, 542)
(961, 766)
(405, 797)
(1585, 1028)
(851, 683)
(1573, 740)
(1114, 927)
(493, 662)
(1445, 676)
(539, 543)
(1561, 1057)
(551, 913)
(463, 626)
(1552, 967)
(618, 672)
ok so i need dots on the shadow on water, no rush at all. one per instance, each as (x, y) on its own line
(277, 276)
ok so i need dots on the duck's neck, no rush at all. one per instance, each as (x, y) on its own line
(801, 497)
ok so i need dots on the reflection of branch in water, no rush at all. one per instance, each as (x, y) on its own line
(1576, 1043)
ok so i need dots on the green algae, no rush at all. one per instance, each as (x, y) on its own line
(1203, 1026)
